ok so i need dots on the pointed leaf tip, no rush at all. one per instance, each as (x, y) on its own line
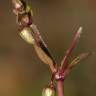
(80, 30)
(78, 34)
(79, 58)
(76, 38)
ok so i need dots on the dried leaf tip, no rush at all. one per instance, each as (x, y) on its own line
(78, 34)
(80, 30)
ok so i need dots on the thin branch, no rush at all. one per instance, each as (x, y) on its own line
(64, 62)
(78, 59)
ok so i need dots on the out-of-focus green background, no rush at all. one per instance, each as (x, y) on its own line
(22, 73)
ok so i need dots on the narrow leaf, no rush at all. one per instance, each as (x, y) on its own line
(64, 62)
(44, 56)
(81, 57)
(41, 49)
(78, 59)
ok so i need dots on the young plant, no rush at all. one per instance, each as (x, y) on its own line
(30, 33)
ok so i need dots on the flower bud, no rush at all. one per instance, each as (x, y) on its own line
(48, 91)
(19, 5)
(27, 36)
(25, 19)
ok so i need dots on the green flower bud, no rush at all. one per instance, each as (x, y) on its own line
(48, 91)
(27, 36)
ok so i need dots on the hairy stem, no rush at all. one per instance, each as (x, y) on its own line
(60, 87)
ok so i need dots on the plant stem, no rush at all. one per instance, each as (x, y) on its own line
(70, 49)
(60, 87)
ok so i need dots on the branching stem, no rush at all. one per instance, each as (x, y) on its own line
(30, 33)
(70, 49)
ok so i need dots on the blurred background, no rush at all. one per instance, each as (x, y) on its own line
(22, 73)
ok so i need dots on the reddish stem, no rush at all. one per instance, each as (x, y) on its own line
(60, 87)
(69, 51)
